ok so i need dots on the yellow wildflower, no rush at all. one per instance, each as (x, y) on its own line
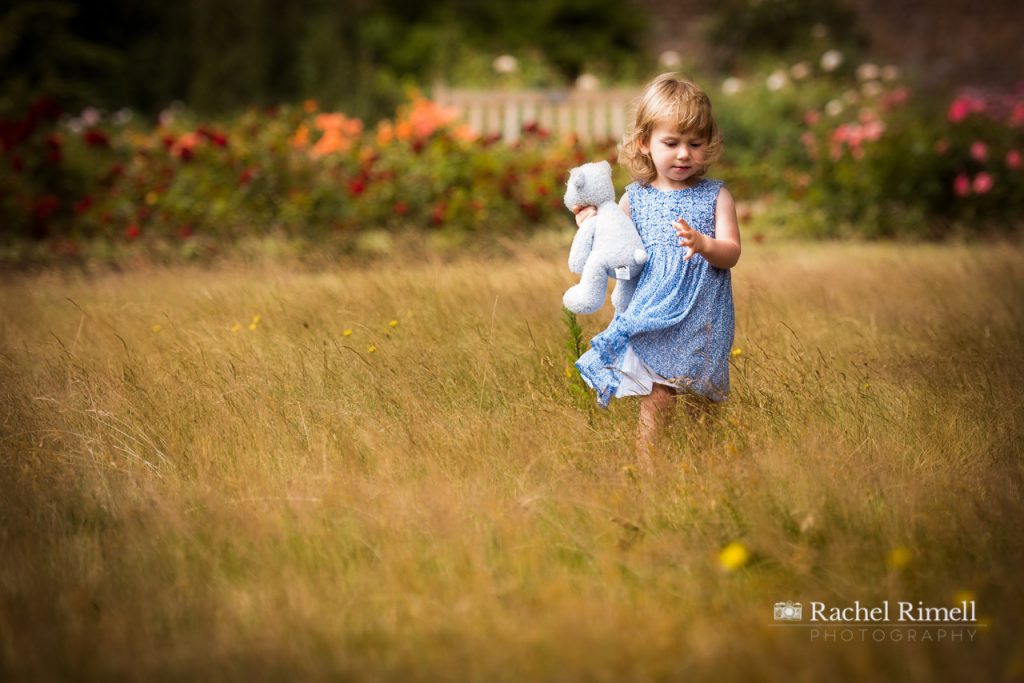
(733, 556)
(736, 352)
(371, 349)
(347, 332)
(963, 596)
(899, 557)
(393, 323)
(157, 328)
(236, 327)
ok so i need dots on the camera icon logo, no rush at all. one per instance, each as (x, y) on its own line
(788, 611)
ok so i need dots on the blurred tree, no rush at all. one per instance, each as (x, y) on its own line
(40, 53)
(741, 31)
(218, 55)
(570, 33)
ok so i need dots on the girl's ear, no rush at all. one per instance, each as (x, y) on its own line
(644, 145)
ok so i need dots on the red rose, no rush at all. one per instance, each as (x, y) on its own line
(356, 187)
(437, 215)
(96, 138)
(45, 207)
(83, 204)
(132, 231)
(43, 109)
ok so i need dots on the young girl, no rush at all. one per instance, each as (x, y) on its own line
(675, 336)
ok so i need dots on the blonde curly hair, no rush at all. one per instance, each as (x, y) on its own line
(683, 106)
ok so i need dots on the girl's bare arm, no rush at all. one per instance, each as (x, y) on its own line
(723, 250)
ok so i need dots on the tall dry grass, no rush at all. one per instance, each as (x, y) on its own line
(184, 497)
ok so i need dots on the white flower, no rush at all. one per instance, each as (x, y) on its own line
(871, 89)
(122, 116)
(732, 85)
(868, 72)
(505, 64)
(91, 116)
(831, 60)
(800, 70)
(670, 59)
(777, 81)
(890, 72)
(168, 115)
(587, 82)
(834, 108)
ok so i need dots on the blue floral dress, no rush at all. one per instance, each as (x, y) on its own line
(678, 327)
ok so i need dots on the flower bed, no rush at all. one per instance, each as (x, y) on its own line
(854, 152)
(294, 171)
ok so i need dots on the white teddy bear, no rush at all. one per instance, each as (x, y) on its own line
(606, 245)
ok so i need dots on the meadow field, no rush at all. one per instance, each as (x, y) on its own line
(386, 472)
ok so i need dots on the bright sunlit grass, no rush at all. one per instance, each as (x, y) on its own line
(386, 474)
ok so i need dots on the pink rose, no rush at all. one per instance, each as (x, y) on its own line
(983, 182)
(959, 110)
(979, 151)
(1017, 115)
(962, 185)
(1013, 159)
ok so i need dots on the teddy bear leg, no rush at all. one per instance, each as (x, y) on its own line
(623, 293)
(588, 295)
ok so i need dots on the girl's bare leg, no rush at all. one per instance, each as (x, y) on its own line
(655, 409)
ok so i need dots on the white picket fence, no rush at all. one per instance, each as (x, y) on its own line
(589, 114)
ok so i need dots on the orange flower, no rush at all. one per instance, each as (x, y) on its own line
(426, 116)
(310, 106)
(301, 138)
(329, 121)
(185, 145)
(339, 133)
(352, 127)
(385, 133)
(465, 134)
(331, 141)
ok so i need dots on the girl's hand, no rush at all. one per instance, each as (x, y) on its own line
(694, 241)
(583, 213)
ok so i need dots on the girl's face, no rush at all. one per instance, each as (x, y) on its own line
(678, 157)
